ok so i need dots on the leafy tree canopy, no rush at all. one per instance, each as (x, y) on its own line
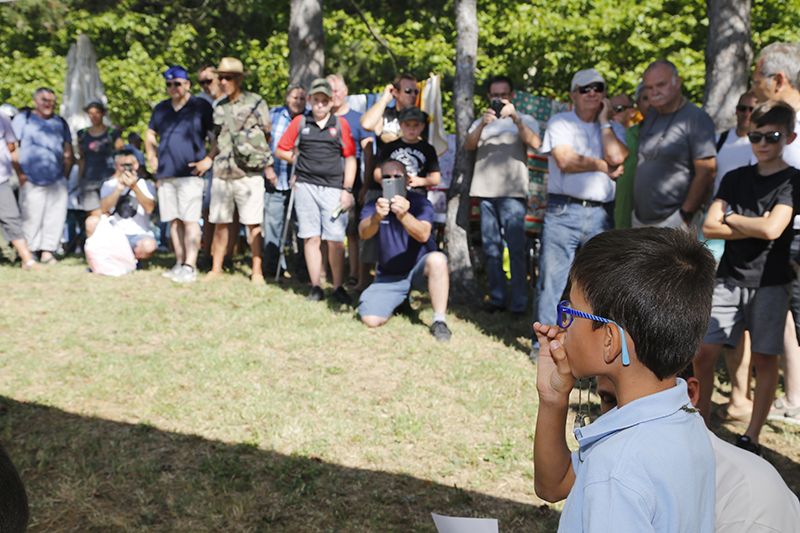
(539, 43)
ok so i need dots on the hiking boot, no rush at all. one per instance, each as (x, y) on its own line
(186, 274)
(746, 443)
(317, 294)
(341, 296)
(172, 272)
(440, 330)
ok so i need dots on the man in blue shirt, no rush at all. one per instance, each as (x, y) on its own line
(276, 197)
(407, 255)
(43, 163)
(175, 142)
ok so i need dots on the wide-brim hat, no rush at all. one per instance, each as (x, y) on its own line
(230, 65)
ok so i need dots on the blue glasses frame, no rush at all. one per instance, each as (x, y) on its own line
(565, 309)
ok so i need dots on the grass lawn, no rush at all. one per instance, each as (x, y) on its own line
(137, 404)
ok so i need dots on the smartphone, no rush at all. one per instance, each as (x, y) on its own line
(128, 167)
(392, 187)
(497, 106)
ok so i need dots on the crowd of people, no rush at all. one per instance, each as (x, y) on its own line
(640, 163)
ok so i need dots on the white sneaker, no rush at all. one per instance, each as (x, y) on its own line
(186, 274)
(172, 272)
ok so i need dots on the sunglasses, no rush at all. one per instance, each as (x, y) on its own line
(771, 137)
(411, 91)
(173, 84)
(226, 77)
(596, 87)
(743, 108)
(620, 108)
(390, 176)
(204, 82)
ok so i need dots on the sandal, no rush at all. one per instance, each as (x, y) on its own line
(351, 282)
(51, 261)
(791, 416)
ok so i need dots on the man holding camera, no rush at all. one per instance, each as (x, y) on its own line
(406, 251)
(500, 181)
(130, 200)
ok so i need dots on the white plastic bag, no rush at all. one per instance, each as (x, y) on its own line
(108, 251)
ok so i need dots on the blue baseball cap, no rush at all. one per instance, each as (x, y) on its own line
(176, 72)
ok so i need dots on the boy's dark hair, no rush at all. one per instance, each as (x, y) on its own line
(499, 79)
(402, 76)
(14, 511)
(774, 113)
(394, 161)
(657, 284)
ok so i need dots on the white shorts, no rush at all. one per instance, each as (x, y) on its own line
(180, 198)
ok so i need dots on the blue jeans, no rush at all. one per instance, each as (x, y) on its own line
(566, 228)
(275, 203)
(507, 214)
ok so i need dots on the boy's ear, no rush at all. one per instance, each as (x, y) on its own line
(612, 343)
(791, 137)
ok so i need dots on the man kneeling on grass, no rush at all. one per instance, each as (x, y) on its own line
(406, 253)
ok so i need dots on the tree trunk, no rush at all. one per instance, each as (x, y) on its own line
(306, 42)
(729, 52)
(463, 283)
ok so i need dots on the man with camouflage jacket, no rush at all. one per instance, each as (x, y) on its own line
(241, 157)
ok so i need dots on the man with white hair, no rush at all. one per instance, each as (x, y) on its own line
(585, 151)
(43, 162)
(677, 154)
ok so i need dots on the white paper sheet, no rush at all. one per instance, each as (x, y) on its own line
(449, 524)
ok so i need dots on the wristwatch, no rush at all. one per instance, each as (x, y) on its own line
(728, 212)
(687, 216)
(349, 189)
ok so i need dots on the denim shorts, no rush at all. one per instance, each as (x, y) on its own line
(387, 292)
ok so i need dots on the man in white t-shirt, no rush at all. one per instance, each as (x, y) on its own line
(585, 151)
(502, 137)
(130, 200)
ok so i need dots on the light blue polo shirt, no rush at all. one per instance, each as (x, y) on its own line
(41, 146)
(648, 466)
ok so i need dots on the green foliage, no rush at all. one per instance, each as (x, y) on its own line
(539, 43)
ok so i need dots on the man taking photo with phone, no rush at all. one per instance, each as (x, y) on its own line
(407, 254)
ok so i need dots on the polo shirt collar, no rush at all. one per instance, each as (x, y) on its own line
(652, 407)
(330, 124)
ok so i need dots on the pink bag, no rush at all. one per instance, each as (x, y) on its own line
(108, 251)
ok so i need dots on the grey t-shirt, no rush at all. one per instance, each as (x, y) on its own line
(668, 146)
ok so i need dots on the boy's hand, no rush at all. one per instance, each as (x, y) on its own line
(554, 379)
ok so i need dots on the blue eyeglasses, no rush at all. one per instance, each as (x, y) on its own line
(565, 318)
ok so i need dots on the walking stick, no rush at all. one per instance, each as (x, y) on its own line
(286, 222)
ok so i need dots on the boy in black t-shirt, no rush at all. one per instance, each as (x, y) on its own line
(753, 213)
(416, 154)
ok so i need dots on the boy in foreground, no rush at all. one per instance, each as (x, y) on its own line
(752, 212)
(639, 306)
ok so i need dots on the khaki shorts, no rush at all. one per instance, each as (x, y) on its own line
(180, 198)
(246, 193)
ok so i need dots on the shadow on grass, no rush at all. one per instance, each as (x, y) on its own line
(90, 475)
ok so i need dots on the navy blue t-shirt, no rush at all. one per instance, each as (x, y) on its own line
(397, 252)
(182, 135)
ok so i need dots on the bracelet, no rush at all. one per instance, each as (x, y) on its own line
(606, 125)
(519, 119)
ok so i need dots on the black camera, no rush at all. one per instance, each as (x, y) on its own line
(497, 106)
(126, 206)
